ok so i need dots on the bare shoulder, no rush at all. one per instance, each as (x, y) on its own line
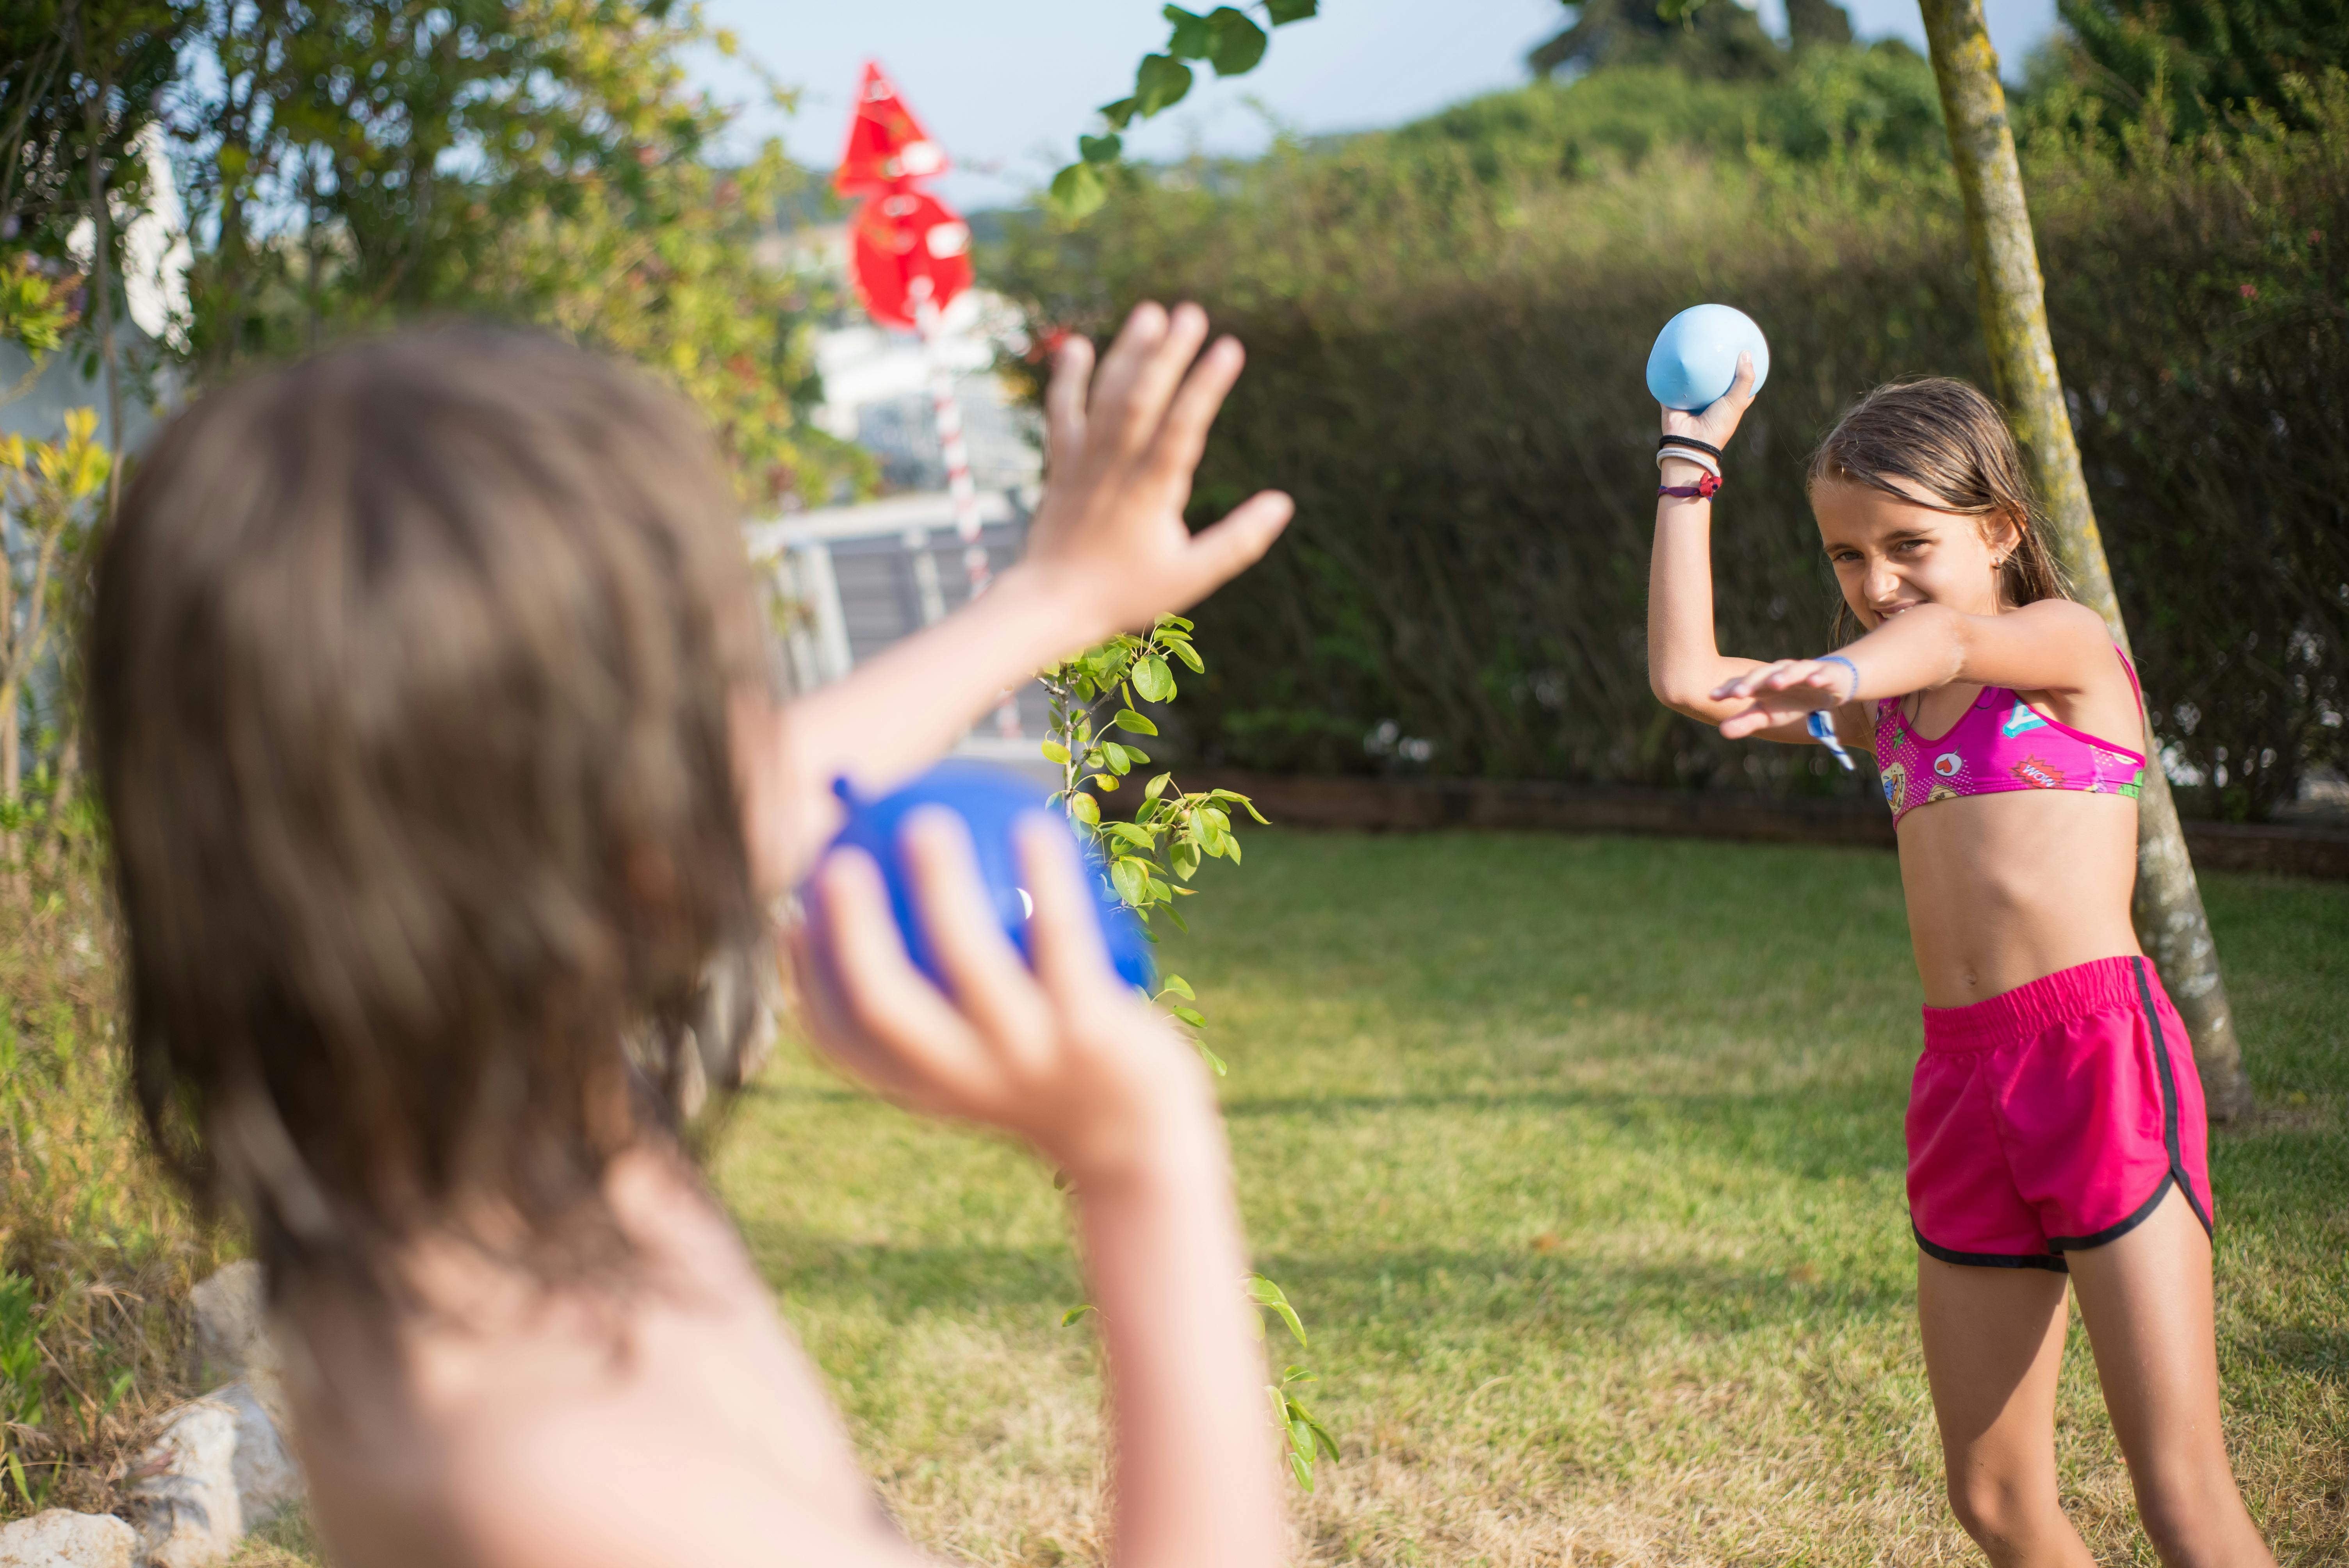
(674, 1421)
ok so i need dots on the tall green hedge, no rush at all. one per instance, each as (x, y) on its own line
(1445, 356)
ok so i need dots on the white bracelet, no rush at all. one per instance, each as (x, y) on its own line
(1688, 455)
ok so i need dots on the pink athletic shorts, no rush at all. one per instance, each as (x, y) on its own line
(2053, 1117)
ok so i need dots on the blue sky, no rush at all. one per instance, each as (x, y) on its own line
(1008, 85)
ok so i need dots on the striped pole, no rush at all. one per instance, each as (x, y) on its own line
(947, 411)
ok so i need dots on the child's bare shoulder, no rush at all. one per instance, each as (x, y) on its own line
(676, 1422)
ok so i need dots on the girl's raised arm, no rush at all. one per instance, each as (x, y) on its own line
(1686, 666)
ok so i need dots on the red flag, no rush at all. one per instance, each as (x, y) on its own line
(886, 144)
(905, 236)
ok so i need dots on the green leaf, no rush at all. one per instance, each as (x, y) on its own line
(1180, 987)
(1301, 1470)
(1075, 1313)
(1286, 11)
(1114, 755)
(1134, 753)
(1243, 801)
(1180, 923)
(1085, 810)
(1106, 780)
(1153, 680)
(1056, 752)
(1157, 786)
(1119, 114)
(1264, 1292)
(1159, 82)
(1100, 148)
(1194, 38)
(1191, 1016)
(1128, 720)
(1077, 192)
(1140, 837)
(1189, 655)
(1161, 891)
(1131, 877)
(1185, 859)
(1212, 1060)
(1237, 45)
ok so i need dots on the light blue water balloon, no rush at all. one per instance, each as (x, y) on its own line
(1695, 357)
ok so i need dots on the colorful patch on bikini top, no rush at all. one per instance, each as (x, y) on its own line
(1948, 765)
(2038, 774)
(2022, 721)
(1895, 784)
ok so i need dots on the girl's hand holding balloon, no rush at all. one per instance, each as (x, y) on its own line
(1715, 423)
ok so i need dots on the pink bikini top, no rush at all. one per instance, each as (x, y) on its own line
(2001, 742)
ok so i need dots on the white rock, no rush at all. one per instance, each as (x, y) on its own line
(58, 1539)
(185, 1502)
(266, 1478)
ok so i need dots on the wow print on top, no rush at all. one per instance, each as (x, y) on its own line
(2001, 742)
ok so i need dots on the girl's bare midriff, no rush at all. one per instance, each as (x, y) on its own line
(1985, 913)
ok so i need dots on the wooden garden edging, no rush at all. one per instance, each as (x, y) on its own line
(1420, 805)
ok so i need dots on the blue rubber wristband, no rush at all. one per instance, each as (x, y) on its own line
(1839, 659)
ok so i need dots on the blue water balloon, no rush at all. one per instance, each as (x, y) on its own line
(989, 799)
(1695, 357)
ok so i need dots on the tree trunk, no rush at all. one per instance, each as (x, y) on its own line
(2169, 904)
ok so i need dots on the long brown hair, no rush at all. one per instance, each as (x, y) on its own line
(1953, 450)
(409, 671)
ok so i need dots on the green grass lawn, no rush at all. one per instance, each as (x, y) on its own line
(1582, 1158)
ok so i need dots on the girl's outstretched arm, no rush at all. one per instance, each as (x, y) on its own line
(1075, 1065)
(1685, 665)
(2054, 646)
(1108, 551)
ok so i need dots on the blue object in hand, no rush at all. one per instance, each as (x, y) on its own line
(1695, 357)
(989, 800)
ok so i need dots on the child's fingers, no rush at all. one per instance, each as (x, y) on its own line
(990, 984)
(1142, 408)
(1218, 553)
(1063, 933)
(1064, 405)
(1176, 450)
(826, 1015)
(883, 997)
(1143, 332)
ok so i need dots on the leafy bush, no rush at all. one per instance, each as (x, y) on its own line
(1446, 328)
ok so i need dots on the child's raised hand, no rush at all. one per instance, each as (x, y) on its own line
(1110, 529)
(1790, 688)
(1066, 1057)
(1716, 422)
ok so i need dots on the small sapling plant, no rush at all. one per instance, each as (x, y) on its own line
(1152, 851)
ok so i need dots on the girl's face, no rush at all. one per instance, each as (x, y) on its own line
(1892, 555)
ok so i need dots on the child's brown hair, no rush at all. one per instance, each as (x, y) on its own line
(1939, 440)
(409, 671)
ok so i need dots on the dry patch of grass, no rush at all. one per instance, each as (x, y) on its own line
(97, 1253)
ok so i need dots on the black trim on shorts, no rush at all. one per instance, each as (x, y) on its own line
(2115, 1233)
(1990, 1260)
(2169, 1098)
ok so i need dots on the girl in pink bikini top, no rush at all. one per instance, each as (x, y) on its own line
(2001, 742)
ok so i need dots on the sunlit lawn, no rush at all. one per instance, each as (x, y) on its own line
(1582, 1158)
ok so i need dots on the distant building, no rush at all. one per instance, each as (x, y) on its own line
(856, 578)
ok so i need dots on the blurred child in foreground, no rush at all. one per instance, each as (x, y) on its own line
(431, 713)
